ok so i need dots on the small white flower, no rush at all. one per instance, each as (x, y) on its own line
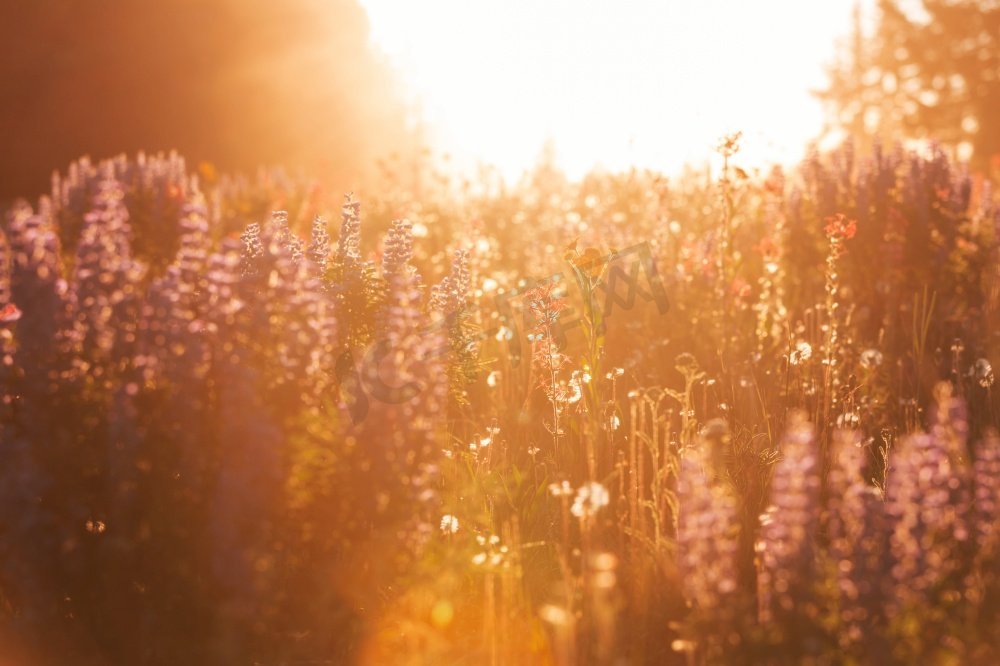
(849, 420)
(449, 524)
(560, 489)
(492, 554)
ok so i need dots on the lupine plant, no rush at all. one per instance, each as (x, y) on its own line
(243, 423)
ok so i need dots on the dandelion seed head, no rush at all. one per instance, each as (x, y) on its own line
(871, 359)
(590, 498)
(803, 352)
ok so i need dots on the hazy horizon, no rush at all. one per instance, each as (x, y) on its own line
(592, 78)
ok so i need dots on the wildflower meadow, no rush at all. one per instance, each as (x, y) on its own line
(737, 418)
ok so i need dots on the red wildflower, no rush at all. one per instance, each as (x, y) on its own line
(839, 228)
(9, 313)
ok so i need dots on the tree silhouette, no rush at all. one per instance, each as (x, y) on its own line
(239, 83)
(930, 69)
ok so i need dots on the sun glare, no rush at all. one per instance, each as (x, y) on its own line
(613, 84)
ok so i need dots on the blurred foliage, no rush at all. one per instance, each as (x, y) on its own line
(930, 69)
(240, 83)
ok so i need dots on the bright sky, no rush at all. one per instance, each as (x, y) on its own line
(613, 82)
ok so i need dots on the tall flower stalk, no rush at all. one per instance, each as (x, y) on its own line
(545, 304)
